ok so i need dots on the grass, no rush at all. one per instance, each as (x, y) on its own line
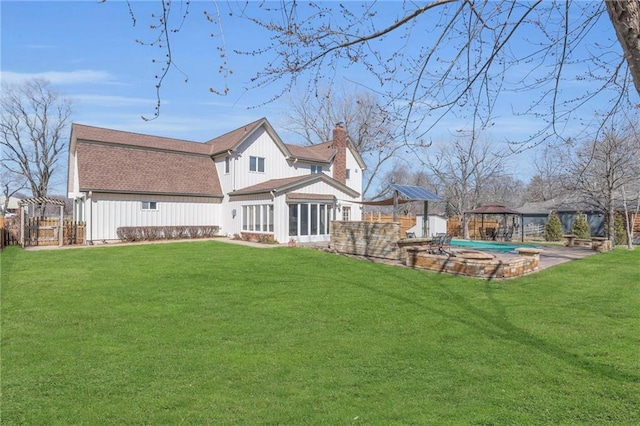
(215, 333)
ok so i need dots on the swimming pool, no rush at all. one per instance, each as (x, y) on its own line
(488, 246)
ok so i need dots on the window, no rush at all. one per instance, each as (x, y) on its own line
(256, 164)
(227, 164)
(293, 220)
(314, 219)
(304, 219)
(149, 205)
(346, 213)
(309, 219)
(316, 169)
(348, 174)
(323, 219)
(257, 218)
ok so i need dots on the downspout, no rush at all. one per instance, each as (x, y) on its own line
(89, 222)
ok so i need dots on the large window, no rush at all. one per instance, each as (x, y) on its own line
(256, 164)
(309, 219)
(257, 218)
(293, 220)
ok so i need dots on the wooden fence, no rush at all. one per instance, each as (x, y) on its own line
(454, 227)
(406, 222)
(41, 232)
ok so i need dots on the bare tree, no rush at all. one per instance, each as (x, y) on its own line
(546, 184)
(32, 126)
(455, 57)
(503, 189)
(603, 167)
(464, 168)
(630, 216)
(370, 127)
(434, 59)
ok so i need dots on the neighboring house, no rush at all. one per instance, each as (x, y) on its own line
(12, 206)
(538, 214)
(245, 181)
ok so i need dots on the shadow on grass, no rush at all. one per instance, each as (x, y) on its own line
(495, 325)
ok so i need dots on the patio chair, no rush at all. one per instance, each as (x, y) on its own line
(483, 235)
(445, 245)
(508, 234)
(441, 245)
(411, 234)
(434, 245)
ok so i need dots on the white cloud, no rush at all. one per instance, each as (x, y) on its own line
(61, 77)
(111, 101)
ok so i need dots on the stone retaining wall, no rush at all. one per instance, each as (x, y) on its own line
(366, 239)
(473, 266)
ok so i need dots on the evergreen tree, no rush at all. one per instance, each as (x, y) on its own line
(620, 230)
(581, 228)
(553, 228)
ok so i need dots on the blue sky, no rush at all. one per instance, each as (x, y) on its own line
(87, 50)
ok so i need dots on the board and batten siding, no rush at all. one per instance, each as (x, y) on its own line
(108, 212)
(276, 165)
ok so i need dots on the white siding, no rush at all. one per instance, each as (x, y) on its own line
(355, 180)
(108, 212)
(275, 165)
(73, 184)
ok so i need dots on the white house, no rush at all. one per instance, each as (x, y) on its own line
(246, 180)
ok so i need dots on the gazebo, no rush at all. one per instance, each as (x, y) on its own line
(500, 210)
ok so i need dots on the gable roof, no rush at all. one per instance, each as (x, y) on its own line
(124, 162)
(279, 186)
(318, 153)
(119, 161)
(232, 140)
(86, 133)
(321, 153)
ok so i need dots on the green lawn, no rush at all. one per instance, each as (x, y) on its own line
(217, 333)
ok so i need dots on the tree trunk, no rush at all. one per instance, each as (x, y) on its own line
(625, 17)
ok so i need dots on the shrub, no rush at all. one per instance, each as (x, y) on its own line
(257, 237)
(581, 228)
(152, 233)
(553, 228)
(620, 230)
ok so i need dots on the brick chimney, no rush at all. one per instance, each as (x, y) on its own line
(340, 160)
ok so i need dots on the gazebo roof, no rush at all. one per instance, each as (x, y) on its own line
(493, 209)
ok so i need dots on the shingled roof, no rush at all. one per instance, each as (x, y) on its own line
(118, 137)
(291, 183)
(115, 161)
(118, 161)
